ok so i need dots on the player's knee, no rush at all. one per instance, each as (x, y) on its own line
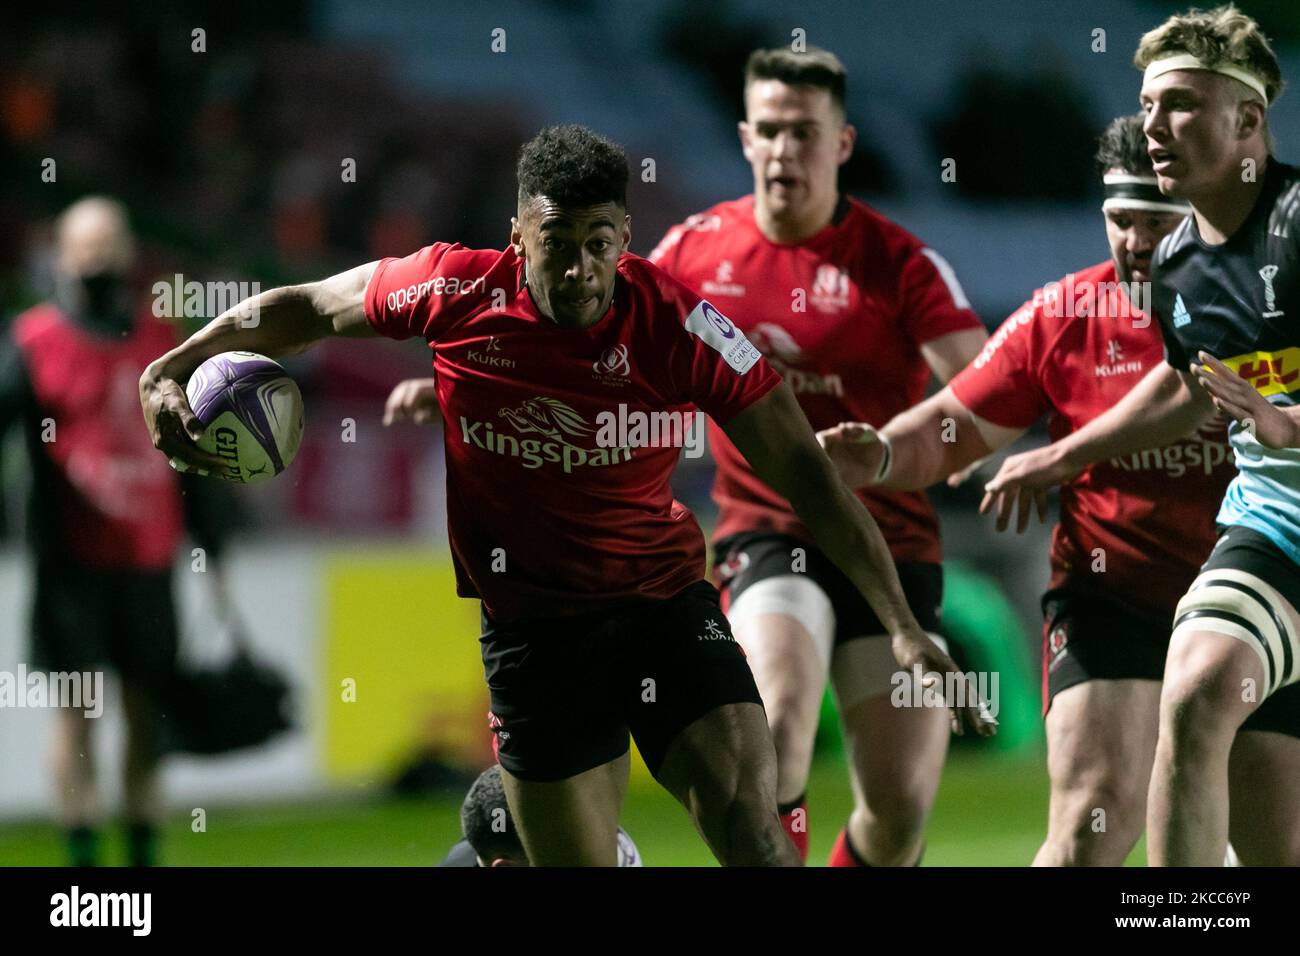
(1102, 809)
(894, 821)
(791, 734)
(1200, 702)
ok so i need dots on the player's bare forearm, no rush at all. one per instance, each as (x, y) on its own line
(931, 441)
(938, 438)
(1162, 408)
(275, 323)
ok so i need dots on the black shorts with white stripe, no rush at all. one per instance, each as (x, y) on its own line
(1249, 589)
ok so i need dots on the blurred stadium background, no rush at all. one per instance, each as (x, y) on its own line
(229, 160)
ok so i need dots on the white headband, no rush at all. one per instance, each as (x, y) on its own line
(1126, 191)
(1185, 61)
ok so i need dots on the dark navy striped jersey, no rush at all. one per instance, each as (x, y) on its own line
(1240, 302)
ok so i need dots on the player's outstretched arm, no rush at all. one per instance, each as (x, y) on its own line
(275, 323)
(1165, 406)
(917, 448)
(779, 444)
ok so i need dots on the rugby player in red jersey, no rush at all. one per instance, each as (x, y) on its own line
(855, 313)
(1132, 531)
(596, 617)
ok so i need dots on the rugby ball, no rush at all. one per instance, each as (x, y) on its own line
(251, 412)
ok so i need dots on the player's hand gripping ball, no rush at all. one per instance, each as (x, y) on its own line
(252, 415)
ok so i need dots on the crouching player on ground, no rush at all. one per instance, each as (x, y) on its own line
(596, 616)
(491, 838)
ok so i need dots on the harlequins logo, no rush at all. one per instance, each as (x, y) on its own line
(1268, 274)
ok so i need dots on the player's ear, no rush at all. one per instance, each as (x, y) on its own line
(626, 237)
(848, 136)
(745, 147)
(517, 236)
(1250, 118)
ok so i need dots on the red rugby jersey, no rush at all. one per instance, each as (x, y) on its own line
(549, 512)
(115, 500)
(1150, 514)
(841, 316)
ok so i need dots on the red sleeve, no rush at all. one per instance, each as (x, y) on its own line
(712, 365)
(932, 301)
(1001, 384)
(418, 295)
(665, 254)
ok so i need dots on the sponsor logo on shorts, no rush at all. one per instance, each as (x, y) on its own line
(1056, 646)
(734, 564)
(713, 632)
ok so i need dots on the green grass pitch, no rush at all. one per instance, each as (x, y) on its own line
(991, 811)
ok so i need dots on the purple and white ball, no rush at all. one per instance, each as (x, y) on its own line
(251, 412)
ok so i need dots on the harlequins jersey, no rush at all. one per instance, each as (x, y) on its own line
(1240, 302)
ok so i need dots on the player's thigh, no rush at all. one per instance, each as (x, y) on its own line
(570, 822)
(896, 749)
(723, 756)
(1212, 682)
(554, 693)
(1264, 783)
(690, 699)
(1101, 741)
(1102, 666)
(785, 625)
(1236, 636)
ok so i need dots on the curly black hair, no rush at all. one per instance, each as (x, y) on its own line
(1124, 147)
(485, 818)
(573, 167)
